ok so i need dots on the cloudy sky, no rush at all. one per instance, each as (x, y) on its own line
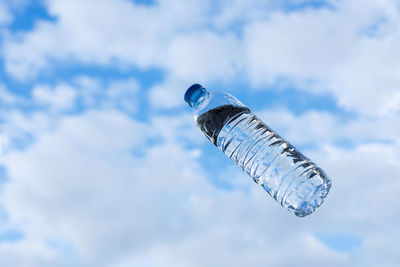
(100, 161)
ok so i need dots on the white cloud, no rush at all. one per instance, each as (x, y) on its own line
(318, 129)
(219, 246)
(331, 50)
(6, 8)
(89, 172)
(349, 49)
(123, 94)
(131, 34)
(18, 129)
(8, 98)
(167, 94)
(5, 16)
(60, 98)
(102, 189)
(83, 185)
(204, 56)
(89, 92)
(393, 105)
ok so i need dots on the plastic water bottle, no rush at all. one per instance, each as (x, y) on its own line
(289, 177)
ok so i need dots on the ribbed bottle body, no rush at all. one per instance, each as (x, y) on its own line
(288, 176)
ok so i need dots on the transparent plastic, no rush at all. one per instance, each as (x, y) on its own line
(290, 178)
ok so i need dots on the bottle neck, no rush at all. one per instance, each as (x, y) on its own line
(195, 95)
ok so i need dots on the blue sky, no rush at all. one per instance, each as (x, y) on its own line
(101, 163)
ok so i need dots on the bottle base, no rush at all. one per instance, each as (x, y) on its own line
(309, 205)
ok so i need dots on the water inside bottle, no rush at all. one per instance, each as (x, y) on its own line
(212, 121)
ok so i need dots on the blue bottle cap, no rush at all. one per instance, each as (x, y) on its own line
(193, 91)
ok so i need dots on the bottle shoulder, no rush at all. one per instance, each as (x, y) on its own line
(214, 100)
